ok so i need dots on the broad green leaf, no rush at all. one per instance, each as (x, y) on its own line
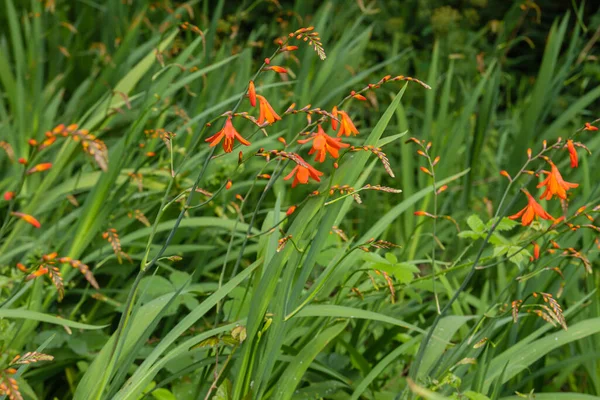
(476, 224)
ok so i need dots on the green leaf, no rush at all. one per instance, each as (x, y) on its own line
(499, 251)
(505, 224)
(471, 395)
(330, 310)
(151, 365)
(163, 394)
(403, 272)
(391, 257)
(536, 350)
(446, 329)
(20, 313)
(223, 391)
(556, 396)
(476, 224)
(470, 235)
(292, 375)
(425, 393)
(381, 365)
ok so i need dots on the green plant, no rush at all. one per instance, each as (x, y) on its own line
(140, 260)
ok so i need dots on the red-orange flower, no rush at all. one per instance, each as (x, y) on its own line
(589, 127)
(334, 122)
(555, 185)
(536, 251)
(532, 209)
(266, 111)
(252, 94)
(39, 168)
(323, 144)
(40, 272)
(276, 68)
(230, 134)
(8, 196)
(346, 126)
(48, 142)
(290, 210)
(572, 154)
(27, 218)
(301, 174)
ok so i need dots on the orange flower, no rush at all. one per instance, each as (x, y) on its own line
(536, 251)
(48, 142)
(589, 127)
(8, 196)
(40, 272)
(532, 209)
(266, 111)
(290, 210)
(39, 168)
(572, 154)
(346, 125)
(323, 144)
(555, 185)
(59, 129)
(230, 134)
(27, 218)
(276, 68)
(334, 122)
(252, 94)
(302, 173)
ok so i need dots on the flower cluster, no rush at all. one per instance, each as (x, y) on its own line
(47, 265)
(554, 185)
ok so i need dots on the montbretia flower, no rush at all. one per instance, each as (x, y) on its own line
(252, 94)
(589, 127)
(290, 210)
(230, 134)
(39, 168)
(531, 210)
(555, 185)
(27, 218)
(536, 250)
(276, 68)
(334, 121)
(346, 126)
(302, 173)
(323, 144)
(360, 97)
(41, 271)
(572, 154)
(266, 111)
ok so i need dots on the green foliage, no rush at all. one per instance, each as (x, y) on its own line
(189, 272)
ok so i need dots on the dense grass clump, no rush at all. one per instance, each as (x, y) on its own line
(299, 200)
